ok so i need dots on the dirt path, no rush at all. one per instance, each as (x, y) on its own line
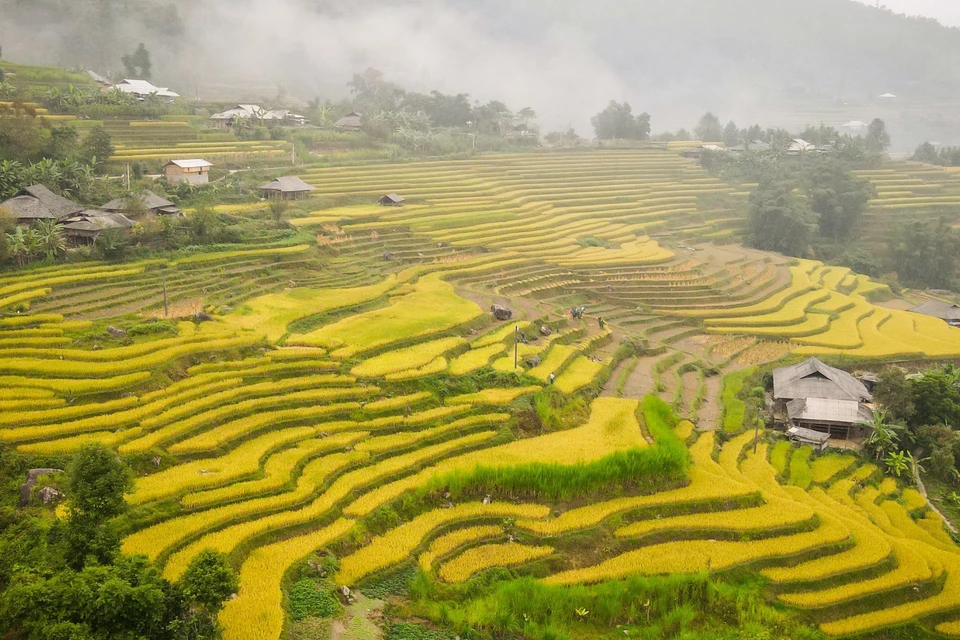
(690, 383)
(640, 382)
(359, 621)
(710, 409)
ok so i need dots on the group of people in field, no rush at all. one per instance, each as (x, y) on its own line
(576, 313)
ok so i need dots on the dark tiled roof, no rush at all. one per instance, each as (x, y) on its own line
(288, 184)
(39, 203)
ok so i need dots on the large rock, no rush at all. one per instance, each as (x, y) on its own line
(116, 333)
(49, 495)
(501, 313)
(533, 361)
(545, 330)
(32, 476)
(203, 316)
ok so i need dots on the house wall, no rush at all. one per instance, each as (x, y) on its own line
(176, 175)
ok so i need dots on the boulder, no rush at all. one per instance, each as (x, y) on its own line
(345, 591)
(389, 255)
(49, 495)
(501, 313)
(32, 476)
(533, 361)
(545, 330)
(203, 316)
(116, 333)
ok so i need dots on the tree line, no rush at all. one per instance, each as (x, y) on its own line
(66, 577)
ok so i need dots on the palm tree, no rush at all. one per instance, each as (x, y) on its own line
(884, 437)
(323, 115)
(50, 239)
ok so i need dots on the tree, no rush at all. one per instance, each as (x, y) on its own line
(895, 395)
(63, 143)
(618, 121)
(277, 209)
(838, 197)
(97, 480)
(204, 586)
(209, 581)
(926, 254)
(884, 436)
(97, 147)
(50, 240)
(926, 152)
(780, 220)
(877, 137)
(936, 396)
(731, 135)
(709, 128)
(138, 63)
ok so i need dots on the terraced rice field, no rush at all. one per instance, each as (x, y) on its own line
(909, 191)
(335, 380)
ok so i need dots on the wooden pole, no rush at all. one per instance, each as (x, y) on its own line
(166, 308)
(516, 346)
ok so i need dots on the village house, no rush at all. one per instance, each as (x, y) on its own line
(225, 119)
(39, 203)
(353, 121)
(150, 205)
(195, 171)
(819, 398)
(286, 188)
(86, 226)
(142, 89)
(946, 311)
(392, 200)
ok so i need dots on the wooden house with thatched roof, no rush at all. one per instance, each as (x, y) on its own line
(39, 203)
(86, 226)
(143, 203)
(287, 188)
(818, 397)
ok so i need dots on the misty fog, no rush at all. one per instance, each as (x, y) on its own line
(763, 62)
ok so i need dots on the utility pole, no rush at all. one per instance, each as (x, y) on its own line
(166, 308)
(128, 177)
(516, 346)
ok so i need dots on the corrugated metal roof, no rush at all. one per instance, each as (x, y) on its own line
(144, 88)
(191, 164)
(808, 435)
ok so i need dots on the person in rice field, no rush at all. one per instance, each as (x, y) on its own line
(602, 322)
(552, 376)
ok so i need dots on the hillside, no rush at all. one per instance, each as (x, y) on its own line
(350, 413)
(778, 63)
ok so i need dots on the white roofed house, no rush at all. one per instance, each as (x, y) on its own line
(817, 397)
(142, 89)
(798, 146)
(257, 114)
(195, 171)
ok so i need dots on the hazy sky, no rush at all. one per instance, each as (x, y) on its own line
(946, 11)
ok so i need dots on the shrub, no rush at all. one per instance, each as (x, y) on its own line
(312, 598)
